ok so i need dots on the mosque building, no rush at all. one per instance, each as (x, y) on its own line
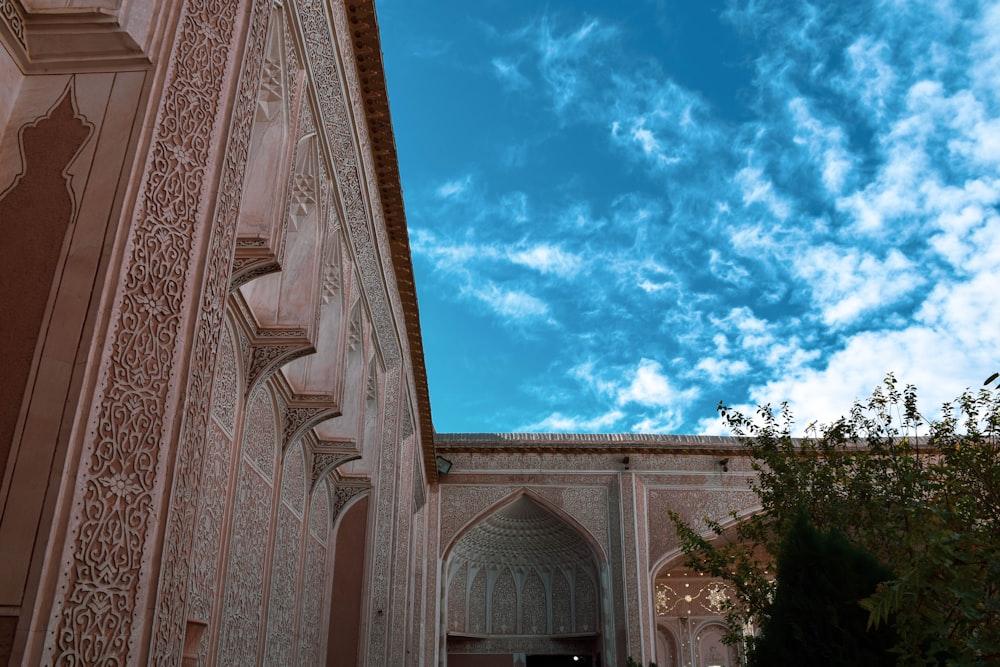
(216, 442)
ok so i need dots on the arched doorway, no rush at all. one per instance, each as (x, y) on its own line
(689, 616)
(523, 587)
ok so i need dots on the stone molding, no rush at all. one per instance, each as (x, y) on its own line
(78, 39)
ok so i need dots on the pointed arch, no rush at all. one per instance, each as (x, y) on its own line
(599, 552)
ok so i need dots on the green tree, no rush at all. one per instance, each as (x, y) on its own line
(815, 618)
(922, 498)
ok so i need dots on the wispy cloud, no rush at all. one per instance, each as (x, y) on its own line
(548, 258)
(509, 73)
(510, 303)
(454, 189)
(846, 227)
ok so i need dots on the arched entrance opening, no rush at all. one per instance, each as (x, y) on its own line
(690, 626)
(523, 588)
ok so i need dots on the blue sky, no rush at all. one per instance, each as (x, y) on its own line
(623, 213)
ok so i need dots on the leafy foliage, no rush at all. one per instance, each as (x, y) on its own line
(815, 618)
(922, 498)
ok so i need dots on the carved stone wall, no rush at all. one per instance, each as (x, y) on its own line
(242, 613)
(284, 595)
(618, 501)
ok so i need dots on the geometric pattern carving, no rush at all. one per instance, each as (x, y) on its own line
(354, 328)
(303, 197)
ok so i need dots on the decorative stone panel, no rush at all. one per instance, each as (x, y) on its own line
(242, 611)
(208, 532)
(226, 383)
(260, 435)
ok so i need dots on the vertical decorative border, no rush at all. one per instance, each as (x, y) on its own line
(169, 622)
(108, 560)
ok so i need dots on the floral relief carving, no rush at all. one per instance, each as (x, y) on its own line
(476, 614)
(503, 602)
(267, 356)
(313, 595)
(243, 598)
(324, 462)
(260, 436)
(562, 601)
(170, 616)
(107, 560)
(297, 419)
(328, 84)
(534, 605)
(225, 389)
(283, 597)
(319, 513)
(208, 531)
(293, 483)
(585, 601)
(343, 494)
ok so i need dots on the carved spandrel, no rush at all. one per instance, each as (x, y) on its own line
(324, 463)
(268, 354)
(297, 419)
(343, 494)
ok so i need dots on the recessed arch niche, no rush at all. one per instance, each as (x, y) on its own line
(523, 580)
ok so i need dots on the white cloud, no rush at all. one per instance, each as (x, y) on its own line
(872, 76)
(453, 189)
(847, 282)
(718, 370)
(649, 386)
(509, 73)
(515, 304)
(727, 270)
(664, 421)
(560, 423)
(756, 188)
(826, 145)
(548, 258)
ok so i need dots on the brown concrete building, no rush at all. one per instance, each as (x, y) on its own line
(215, 434)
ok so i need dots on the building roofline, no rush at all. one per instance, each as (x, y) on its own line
(587, 443)
(375, 99)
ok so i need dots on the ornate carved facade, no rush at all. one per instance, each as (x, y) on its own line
(215, 434)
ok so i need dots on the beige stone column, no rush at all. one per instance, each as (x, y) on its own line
(639, 614)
